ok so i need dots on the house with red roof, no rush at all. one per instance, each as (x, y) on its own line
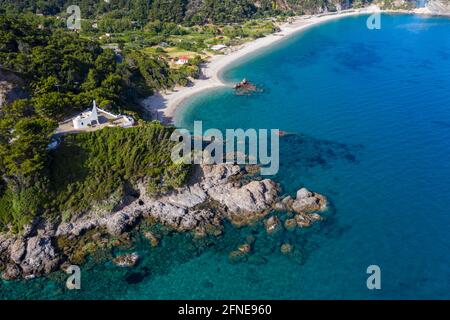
(183, 60)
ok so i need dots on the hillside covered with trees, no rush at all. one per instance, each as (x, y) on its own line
(179, 11)
(63, 72)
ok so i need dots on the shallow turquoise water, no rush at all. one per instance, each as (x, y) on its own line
(370, 110)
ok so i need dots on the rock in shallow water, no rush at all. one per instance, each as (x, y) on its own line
(290, 224)
(272, 224)
(126, 260)
(286, 248)
(218, 193)
(308, 201)
(245, 248)
(154, 241)
(237, 256)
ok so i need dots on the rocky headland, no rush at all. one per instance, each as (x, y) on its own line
(216, 193)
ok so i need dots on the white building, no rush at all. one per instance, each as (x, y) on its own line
(183, 60)
(99, 118)
(86, 119)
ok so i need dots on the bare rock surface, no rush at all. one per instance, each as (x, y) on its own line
(248, 202)
(41, 256)
(440, 7)
(10, 87)
(127, 260)
(307, 201)
(17, 250)
(217, 192)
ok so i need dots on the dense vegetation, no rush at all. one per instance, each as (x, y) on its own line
(140, 12)
(88, 171)
(64, 73)
(96, 169)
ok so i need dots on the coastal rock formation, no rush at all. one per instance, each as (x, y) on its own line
(247, 203)
(272, 224)
(290, 224)
(11, 272)
(440, 7)
(286, 248)
(245, 248)
(127, 260)
(305, 203)
(154, 241)
(217, 192)
(17, 250)
(28, 257)
(308, 201)
(41, 256)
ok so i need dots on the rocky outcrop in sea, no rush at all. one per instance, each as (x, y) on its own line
(217, 193)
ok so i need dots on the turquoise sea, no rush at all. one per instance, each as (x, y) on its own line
(370, 110)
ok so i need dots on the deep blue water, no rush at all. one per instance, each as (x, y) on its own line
(370, 113)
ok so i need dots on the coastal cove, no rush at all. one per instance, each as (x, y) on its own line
(164, 106)
(368, 115)
(366, 111)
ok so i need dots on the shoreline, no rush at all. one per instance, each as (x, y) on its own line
(164, 105)
(49, 246)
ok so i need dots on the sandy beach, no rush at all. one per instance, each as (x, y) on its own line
(163, 106)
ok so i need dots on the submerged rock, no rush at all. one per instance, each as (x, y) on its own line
(245, 248)
(237, 256)
(290, 224)
(250, 239)
(286, 248)
(303, 221)
(154, 241)
(272, 224)
(315, 217)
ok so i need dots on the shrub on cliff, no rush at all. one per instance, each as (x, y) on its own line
(88, 168)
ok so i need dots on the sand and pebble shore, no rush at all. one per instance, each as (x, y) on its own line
(163, 105)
